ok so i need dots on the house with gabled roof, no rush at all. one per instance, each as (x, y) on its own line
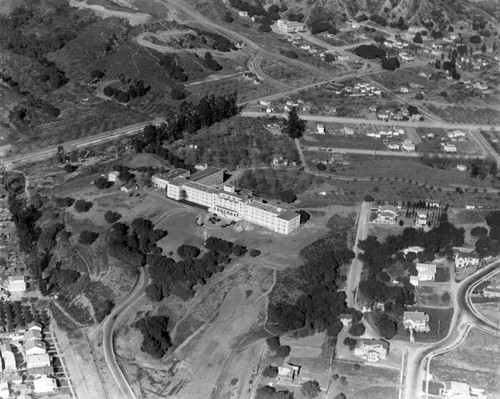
(417, 321)
(426, 271)
(464, 259)
(9, 359)
(372, 350)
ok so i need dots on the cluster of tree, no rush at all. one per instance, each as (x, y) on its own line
(370, 52)
(124, 173)
(322, 26)
(82, 206)
(190, 118)
(102, 182)
(63, 202)
(237, 142)
(215, 41)
(14, 315)
(156, 337)
(478, 168)
(450, 67)
(269, 392)
(441, 239)
(172, 67)
(274, 345)
(320, 306)
(61, 278)
(378, 19)
(19, 33)
(210, 63)
(489, 244)
(390, 63)
(131, 245)
(249, 8)
(87, 237)
(47, 238)
(294, 127)
(291, 54)
(395, 296)
(179, 278)
(31, 110)
(295, 17)
(135, 90)
(399, 24)
(177, 94)
(418, 38)
(310, 389)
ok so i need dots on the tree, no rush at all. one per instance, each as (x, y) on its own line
(295, 126)
(390, 63)
(109, 91)
(156, 338)
(445, 298)
(273, 343)
(228, 17)
(287, 196)
(310, 389)
(479, 231)
(270, 372)
(154, 292)
(350, 342)
(357, 329)
(386, 326)
(96, 74)
(475, 39)
(340, 396)
(87, 237)
(60, 154)
(102, 183)
(418, 39)
(254, 252)
(82, 205)
(112, 217)
(320, 166)
(283, 351)
(177, 94)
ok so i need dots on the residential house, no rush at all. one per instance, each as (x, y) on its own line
(462, 168)
(129, 187)
(372, 350)
(346, 319)
(34, 326)
(4, 390)
(426, 271)
(492, 291)
(243, 13)
(113, 176)
(464, 259)
(448, 147)
(393, 146)
(372, 108)
(16, 283)
(421, 220)
(414, 249)
(408, 145)
(9, 359)
(320, 129)
(417, 321)
(287, 375)
(290, 26)
(385, 115)
(40, 360)
(404, 90)
(265, 103)
(35, 347)
(414, 281)
(455, 390)
(45, 384)
(387, 214)
(32, 335)
(349, 131)
(456, 134)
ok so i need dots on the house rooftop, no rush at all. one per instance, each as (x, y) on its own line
(415, 316)
(346, 316)
(426, 267)
(374, 342)
(12, 279)
(265, 207)
(204, 173)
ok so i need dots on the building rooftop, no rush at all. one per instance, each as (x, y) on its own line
(463, 254)
(374, 342)
(201, 187)
(457, 387)
(265, 207)
(426, 267)
(172, 174)
(15, 279)
(346, 316)
(288, 215)
(416, 316)
(204, 173)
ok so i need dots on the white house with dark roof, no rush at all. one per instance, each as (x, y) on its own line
(386, 214)
(417, 321)
(464, 259)
(35, 347)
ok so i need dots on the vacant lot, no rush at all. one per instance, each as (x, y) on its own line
(429, 295)
(340, 141)
(367, 383)
(489, 116)
(476, 361)
(288, 73)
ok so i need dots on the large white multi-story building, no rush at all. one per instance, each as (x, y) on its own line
(200, 189)
(290, 26)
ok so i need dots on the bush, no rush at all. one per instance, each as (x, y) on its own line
(446, 297)
(475, 39)
(254, 253)
(369, 51)
(418, 39)
(320, 166)
(310, 389)
(291, 54)
(177, 94)
(228, 17)
(154, 292)
(287, 196)
(188, 251)
(63, 202)
(357, 329)
(283, 351)
(265, 27)
(350, 342)
(210, 63)
(69, 168)
(273, 343)
(87, 237)
(111, 216)
(270, 372)
(109, 91)
(82, 205)
(102, 183)
(479, 231)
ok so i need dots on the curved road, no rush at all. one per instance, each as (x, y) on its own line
(464, 316)
(108, 327)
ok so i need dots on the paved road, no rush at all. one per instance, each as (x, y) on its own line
(464, 316)
(108, 329)
(50, 152)
(357, 266)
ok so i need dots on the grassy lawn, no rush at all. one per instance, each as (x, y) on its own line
(476, 361)
(367, 382)
(427, 295)
(442, 274)
(338, 141)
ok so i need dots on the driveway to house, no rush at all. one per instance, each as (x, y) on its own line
(356, 265)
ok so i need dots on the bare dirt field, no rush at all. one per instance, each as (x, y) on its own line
(476, 361)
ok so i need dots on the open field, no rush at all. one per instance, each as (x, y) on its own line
(339, 141)
(369, 382)
(457, 114)
(431, 295)
(493, 139)
(476, 362)
(349, 192)
(409, 169)
(288, 73)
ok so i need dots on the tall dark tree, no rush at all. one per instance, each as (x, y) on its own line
(295, 127)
